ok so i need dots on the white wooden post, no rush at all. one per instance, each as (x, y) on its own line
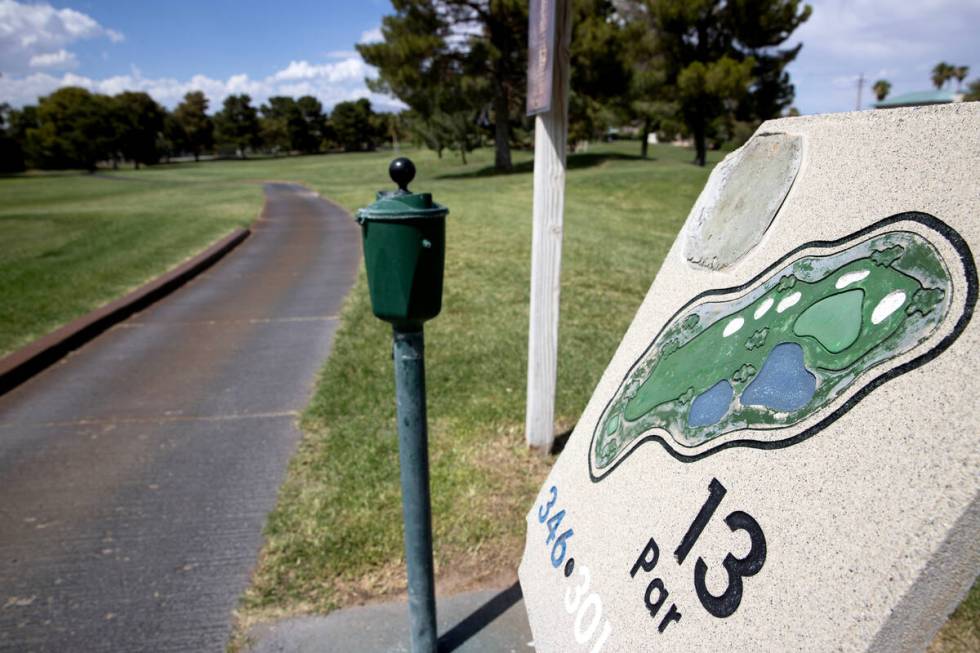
(550, 137)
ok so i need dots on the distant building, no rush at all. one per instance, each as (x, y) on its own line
(920, 98)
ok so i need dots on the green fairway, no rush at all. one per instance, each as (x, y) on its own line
(72, 242)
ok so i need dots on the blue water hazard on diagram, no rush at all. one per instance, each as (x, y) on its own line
(784, 384)
(711, 405)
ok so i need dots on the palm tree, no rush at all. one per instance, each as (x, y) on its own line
(881, 89)
(941, 73)
(960, 73)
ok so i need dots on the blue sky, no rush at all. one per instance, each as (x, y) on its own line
(294, 48)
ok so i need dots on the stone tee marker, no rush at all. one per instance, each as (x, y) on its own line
(784, 453)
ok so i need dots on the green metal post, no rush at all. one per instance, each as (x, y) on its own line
(404, 254)
(413, 453)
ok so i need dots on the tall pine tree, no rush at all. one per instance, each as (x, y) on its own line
(448, 59)
(722, 59)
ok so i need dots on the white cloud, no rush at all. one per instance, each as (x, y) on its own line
(371, 36)
(330, 82)
(31, 34)
(33, 40)
(352, 68)
(60, 59)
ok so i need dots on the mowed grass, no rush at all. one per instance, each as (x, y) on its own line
(961, 634)
(71, 242)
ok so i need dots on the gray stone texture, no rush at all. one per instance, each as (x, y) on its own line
(872, 526)
(741, 198)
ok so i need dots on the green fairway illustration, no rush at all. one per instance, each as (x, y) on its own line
(782, 351)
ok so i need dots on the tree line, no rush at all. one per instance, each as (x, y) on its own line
(75, 128)
(710, 70)
(706, 70)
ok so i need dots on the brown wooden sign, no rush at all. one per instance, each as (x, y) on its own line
(540, 56)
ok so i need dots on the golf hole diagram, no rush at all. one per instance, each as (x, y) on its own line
(776, 360)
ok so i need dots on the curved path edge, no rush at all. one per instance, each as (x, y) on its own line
(137, 472)
(17, 367)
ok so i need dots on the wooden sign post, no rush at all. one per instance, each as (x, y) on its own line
(550, 27)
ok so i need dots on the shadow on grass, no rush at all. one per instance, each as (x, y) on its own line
(575, 161)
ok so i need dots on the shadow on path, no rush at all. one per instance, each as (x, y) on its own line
(480, 618)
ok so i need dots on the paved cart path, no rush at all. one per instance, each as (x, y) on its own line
(135, 475)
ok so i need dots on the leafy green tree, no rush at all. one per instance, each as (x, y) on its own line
(172, 141)
(313, 129)
(942, 72)
(328, 137)
(289, 124)
(648, 99)
(708, 93)
(274, 134)
(425, 132)
(17, 125)
(74, 129)
(280, 120)
(390, 126)
(881, 89)
(11, 151)
(237, 124)
(757, 29)
(599, 69)
(722, 60)
(353, 123)
(196, 126)
(139, 124)
(459, 131)
(431, 46)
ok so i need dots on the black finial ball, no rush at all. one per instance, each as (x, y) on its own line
(402, 172)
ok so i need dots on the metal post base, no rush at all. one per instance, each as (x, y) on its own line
(413, 453)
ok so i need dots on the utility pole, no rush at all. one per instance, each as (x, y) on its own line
(860, 87)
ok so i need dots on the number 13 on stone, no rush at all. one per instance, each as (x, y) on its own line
(737, 568)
